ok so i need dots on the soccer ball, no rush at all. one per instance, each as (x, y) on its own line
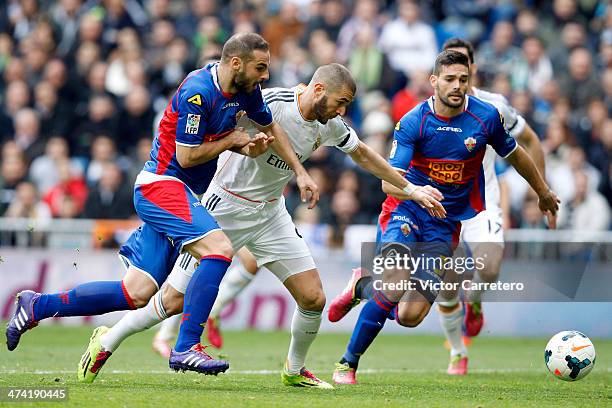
(569, 355)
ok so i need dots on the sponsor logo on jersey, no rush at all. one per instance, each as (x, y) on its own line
(405, 229)
(470, 143)
(279, 163)
(230, 105)
(195, 99)
(393, 148)
(449, 129)
(193, 124)
(197, 203)
(446, 172)
(402, 218)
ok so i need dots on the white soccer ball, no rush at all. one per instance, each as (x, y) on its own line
(569, 355)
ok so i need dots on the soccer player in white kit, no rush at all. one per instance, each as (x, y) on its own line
(483, 234)
(245, 197)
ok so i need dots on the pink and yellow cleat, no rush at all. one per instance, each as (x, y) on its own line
(474, 318)
(161, 346)
(213, 332)
(343, 374)
(458, 365)
(345, 301)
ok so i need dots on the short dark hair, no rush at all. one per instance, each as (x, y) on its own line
(242, 46)
(450, 57)
(457, 42)
(335, 76)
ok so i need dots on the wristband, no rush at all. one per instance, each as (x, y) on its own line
(409, 189)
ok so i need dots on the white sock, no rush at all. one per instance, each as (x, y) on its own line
(169, 328)
(235, 280)
(451, 324)
(135, 322)
(304, 328)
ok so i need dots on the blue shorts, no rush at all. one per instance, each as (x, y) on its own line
(150, 252)
(171, 209)
(410, 228)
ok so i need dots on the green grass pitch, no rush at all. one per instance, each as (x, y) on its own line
(398, 370)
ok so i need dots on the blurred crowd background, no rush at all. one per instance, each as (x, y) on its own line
(83, 85)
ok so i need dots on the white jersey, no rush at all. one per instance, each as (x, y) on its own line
(515, 124)
(264, 178)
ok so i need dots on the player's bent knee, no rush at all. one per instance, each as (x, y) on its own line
(139, 288)
(214, 244)
(313, 302)
(172, 300)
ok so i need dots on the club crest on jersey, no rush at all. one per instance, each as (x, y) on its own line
(405, 229)
(470, 143)
(317, 143)
(193, 124)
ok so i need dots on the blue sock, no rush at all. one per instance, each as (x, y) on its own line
(365, 288)
(88, 299)
(199, 299)
(371, 321)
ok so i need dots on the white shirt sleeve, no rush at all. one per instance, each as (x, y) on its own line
(340, 135)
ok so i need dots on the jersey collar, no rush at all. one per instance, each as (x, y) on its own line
(215, 77)
(430, 102)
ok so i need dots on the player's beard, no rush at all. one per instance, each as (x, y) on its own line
(446, 101)
(242, 83)
(320, 110)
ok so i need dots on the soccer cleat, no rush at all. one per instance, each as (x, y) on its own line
(23, 318)
(196, 359)
(458, 365)
(343, 374)
(304, 379)
(94, 357)
(213, 332)
(345, 301)
(474, 318)
(161, 346)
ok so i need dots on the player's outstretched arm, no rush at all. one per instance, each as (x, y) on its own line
(189, 156)
(548, 200)
(531, 143)
(309, 190)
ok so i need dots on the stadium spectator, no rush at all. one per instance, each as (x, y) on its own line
(100, 119)
(500, 55)
(536, 69)
(573, 35)
(588, 210)
(416, 90)
(55, 116)
(580, 85)
(27, 133)
(285, 25)
(365, 16)
(329, 21)
(111, 198)
(67, 198)
(27, 204)
(44, 172)
(369, 65)
(410, 44)
(103, 151)
(13, 170)
(135, 120)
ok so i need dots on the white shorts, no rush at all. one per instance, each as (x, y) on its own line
(486, 226)
(265, 229)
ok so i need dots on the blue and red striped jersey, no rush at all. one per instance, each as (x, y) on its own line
(200, 112)
(447, 153)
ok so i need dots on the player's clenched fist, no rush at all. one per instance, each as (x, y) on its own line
(549, 205)
(309, 191)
